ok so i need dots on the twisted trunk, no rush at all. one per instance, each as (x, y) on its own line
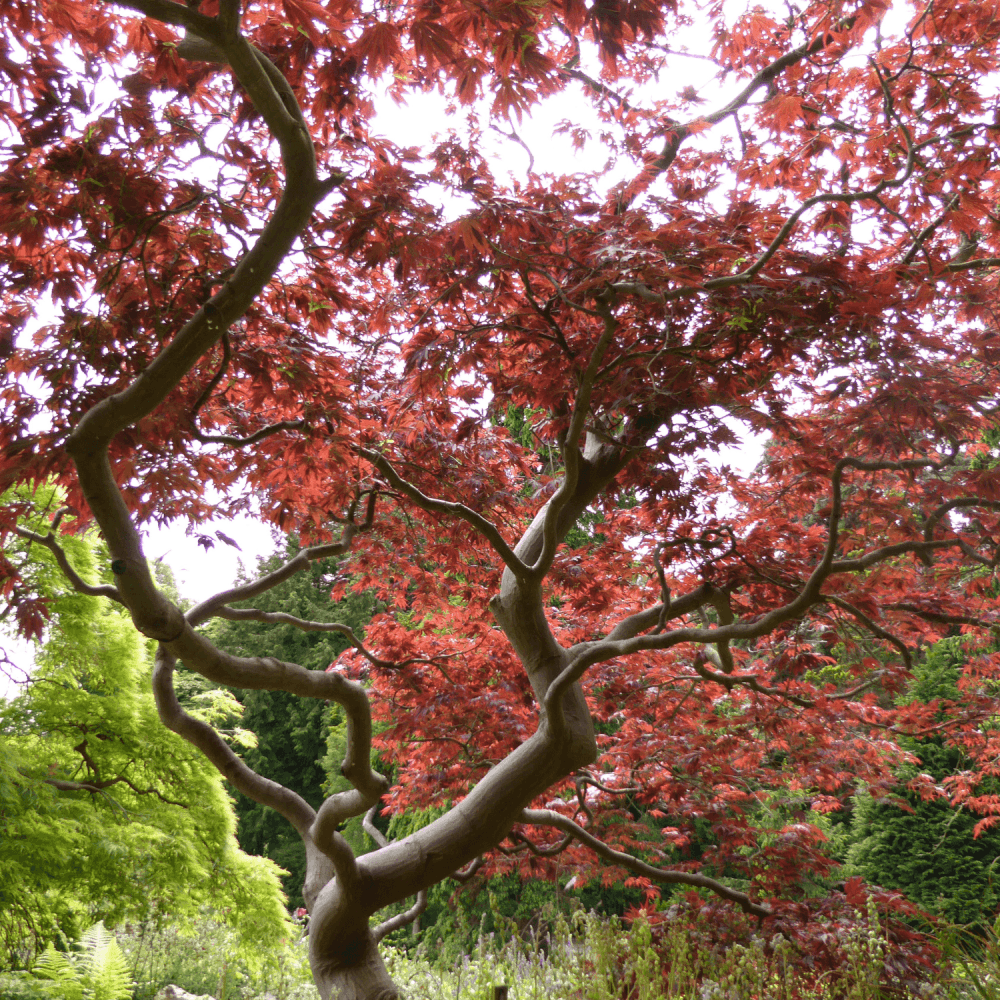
(342, 951)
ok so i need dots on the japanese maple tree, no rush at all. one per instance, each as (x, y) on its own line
(506, 399)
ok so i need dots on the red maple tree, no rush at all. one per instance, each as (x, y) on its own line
(506, 405)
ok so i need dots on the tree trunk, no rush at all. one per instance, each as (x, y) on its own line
(342, 950)
(356, 973)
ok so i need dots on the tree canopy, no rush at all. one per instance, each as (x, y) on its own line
(223, 290)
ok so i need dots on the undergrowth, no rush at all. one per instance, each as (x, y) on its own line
(579, 957)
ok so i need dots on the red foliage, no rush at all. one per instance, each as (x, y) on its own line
(810, 261)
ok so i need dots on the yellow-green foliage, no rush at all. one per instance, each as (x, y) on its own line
(146, 827)
(99, 972)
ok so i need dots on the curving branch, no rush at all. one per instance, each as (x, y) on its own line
(486, 528)
(589, 779)
(247, 592)
(956, 503)
(199, 734)
(765, 78)
(464, 874)
(401, 919)
(584, 655)
(540, 852)
(317, 828)
(330, 842)
(874, 628)
(548, 817)
(720, 599)
(942, 618)
(974, 264)
(281, 618)
(678, 133)
(368, 825)
(213, 382)
(88, 443)
(180, 15)
(70, 786)
(98, 787)
(570, 447)
(369, 786)
(644, 620)
(236, 441)
(76, 581)
(749, 681)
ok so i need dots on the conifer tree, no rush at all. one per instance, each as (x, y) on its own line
(921, 844)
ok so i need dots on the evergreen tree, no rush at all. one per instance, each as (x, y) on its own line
(926, 849)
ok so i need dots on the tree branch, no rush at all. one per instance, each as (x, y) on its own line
(749, 681)
(199, 734)
(246, 592)
(325, 836)
(76, 581)
(764, 78)
(572, 456)
(942, 618)
(464, 874)
(401, 919)
(635, 624)
(241, 442)
(584, 655)
(548, 817)
(957, 503)
(432, 505)
(180, 15)
(88, 443)
(873, 627)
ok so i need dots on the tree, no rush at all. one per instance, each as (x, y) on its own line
(258, 296)
(104, 814)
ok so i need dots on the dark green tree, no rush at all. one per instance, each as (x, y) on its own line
(292, 733)
(926, 849)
